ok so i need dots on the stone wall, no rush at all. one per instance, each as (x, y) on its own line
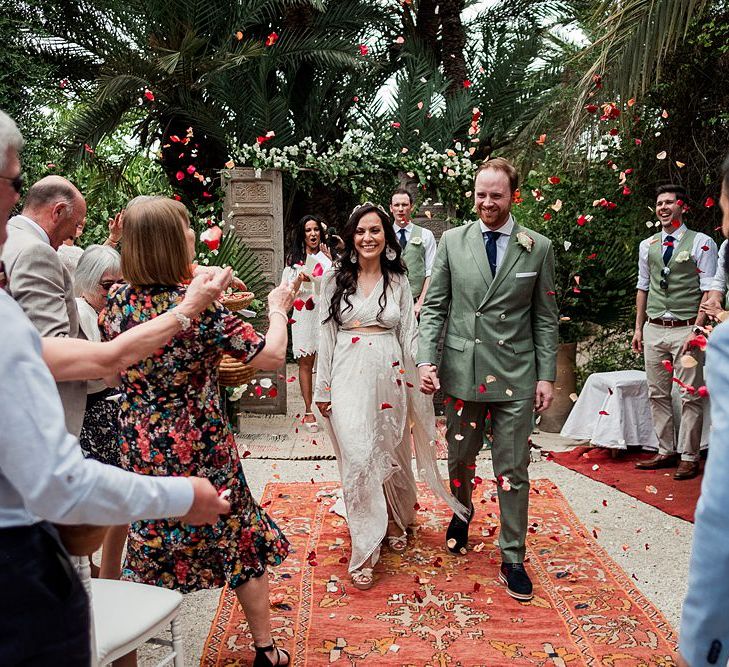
(254, 206)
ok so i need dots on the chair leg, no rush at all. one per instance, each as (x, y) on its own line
(177, 642)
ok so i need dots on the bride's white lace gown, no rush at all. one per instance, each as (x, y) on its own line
(372, 383)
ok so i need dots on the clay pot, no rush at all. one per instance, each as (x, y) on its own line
(565, 384)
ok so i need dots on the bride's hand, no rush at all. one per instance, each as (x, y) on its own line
(325, 407)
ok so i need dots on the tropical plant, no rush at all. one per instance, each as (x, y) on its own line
(204, 72)
(631, 41)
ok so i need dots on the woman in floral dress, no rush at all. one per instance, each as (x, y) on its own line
(171, 422)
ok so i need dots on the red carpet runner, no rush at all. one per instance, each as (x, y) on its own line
(654, 487)
(430, 608)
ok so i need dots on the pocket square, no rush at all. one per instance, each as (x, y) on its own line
(527, 274)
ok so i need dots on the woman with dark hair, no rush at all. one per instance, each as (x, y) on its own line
(366, 389)
(308, 257)
(171, 422)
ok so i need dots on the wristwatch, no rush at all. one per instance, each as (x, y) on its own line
(697, 330)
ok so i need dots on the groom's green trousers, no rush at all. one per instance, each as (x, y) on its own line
(512, 424)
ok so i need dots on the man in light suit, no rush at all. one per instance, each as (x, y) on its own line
(493, 281)
(704, 634)
(36, 277)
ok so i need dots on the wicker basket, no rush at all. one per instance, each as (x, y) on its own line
(233, 373)
(238, 300)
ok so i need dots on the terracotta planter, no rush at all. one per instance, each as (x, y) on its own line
(554, 418)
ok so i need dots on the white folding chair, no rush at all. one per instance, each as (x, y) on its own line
(125, 615)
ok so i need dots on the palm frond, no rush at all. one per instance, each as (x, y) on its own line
(635, 37)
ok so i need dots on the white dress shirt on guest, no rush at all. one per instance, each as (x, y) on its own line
(719, 282)
(429, 244)
(705, 260)
(502, 241)
(43, 474)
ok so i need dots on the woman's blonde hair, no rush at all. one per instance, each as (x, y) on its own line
(155, 250)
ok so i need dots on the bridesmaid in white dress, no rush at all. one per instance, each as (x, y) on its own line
(309, 257)
(367, 390)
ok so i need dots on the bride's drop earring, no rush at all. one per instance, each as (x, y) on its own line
(353, 257)
(390, 253)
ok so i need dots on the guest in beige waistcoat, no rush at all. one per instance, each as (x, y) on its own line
(676, 268)
(418, 246)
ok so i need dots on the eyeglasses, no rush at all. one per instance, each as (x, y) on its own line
(665, 272)
(16, 182)
(106, 285)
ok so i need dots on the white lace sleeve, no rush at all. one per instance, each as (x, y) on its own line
(327, 340)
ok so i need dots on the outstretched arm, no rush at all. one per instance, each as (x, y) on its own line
(74, 359)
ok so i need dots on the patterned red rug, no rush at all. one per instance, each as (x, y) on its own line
(429, 608)
(654, 487)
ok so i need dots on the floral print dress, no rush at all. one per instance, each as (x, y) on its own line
(171, 423)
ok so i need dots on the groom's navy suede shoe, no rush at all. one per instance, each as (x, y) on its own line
(518, 583)
(457, 534)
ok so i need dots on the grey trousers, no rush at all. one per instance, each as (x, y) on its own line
(512, 425)
(664, 344)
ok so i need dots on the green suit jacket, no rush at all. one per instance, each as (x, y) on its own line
(501, 334)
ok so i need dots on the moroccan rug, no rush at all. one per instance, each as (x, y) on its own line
(654, 487)
(428, 608)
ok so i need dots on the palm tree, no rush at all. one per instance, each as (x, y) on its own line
(197, 75)
(631, 40)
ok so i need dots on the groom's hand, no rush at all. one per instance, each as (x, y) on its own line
(429, 382)
(543, 395)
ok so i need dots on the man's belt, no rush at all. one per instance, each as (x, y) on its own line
(671, 323)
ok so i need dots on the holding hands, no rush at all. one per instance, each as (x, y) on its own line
(429, 382)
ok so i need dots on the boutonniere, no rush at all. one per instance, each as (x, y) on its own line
(418, 240)
(524, 240)
(683, 256)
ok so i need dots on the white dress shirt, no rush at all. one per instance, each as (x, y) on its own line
(719, 282)
(36, 227)
(43, 474)
(429, 244)
(705, 261)
(502, 241)
(88, 320)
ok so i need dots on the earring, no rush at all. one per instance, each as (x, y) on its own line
(353, 257)
(390, 253)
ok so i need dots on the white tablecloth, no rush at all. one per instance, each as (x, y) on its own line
(613, 411)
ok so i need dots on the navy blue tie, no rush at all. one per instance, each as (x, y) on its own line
(668, 252)
(403, 240)
(490, 238)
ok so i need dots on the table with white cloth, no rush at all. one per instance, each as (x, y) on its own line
(613, 410)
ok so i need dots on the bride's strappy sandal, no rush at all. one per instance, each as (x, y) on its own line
(312, 427)
(398, 543)
(363, 579)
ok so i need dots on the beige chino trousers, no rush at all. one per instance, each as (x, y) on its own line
(664, 344)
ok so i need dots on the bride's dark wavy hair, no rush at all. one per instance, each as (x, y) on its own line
(346, 272)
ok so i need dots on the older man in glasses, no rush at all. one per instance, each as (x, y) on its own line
(676, 267)
(36, 277)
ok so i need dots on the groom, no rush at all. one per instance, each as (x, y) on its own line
(493, 280)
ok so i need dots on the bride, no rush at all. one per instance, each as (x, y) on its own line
(367, 390)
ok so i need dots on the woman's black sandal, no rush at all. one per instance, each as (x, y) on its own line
(263, 660)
